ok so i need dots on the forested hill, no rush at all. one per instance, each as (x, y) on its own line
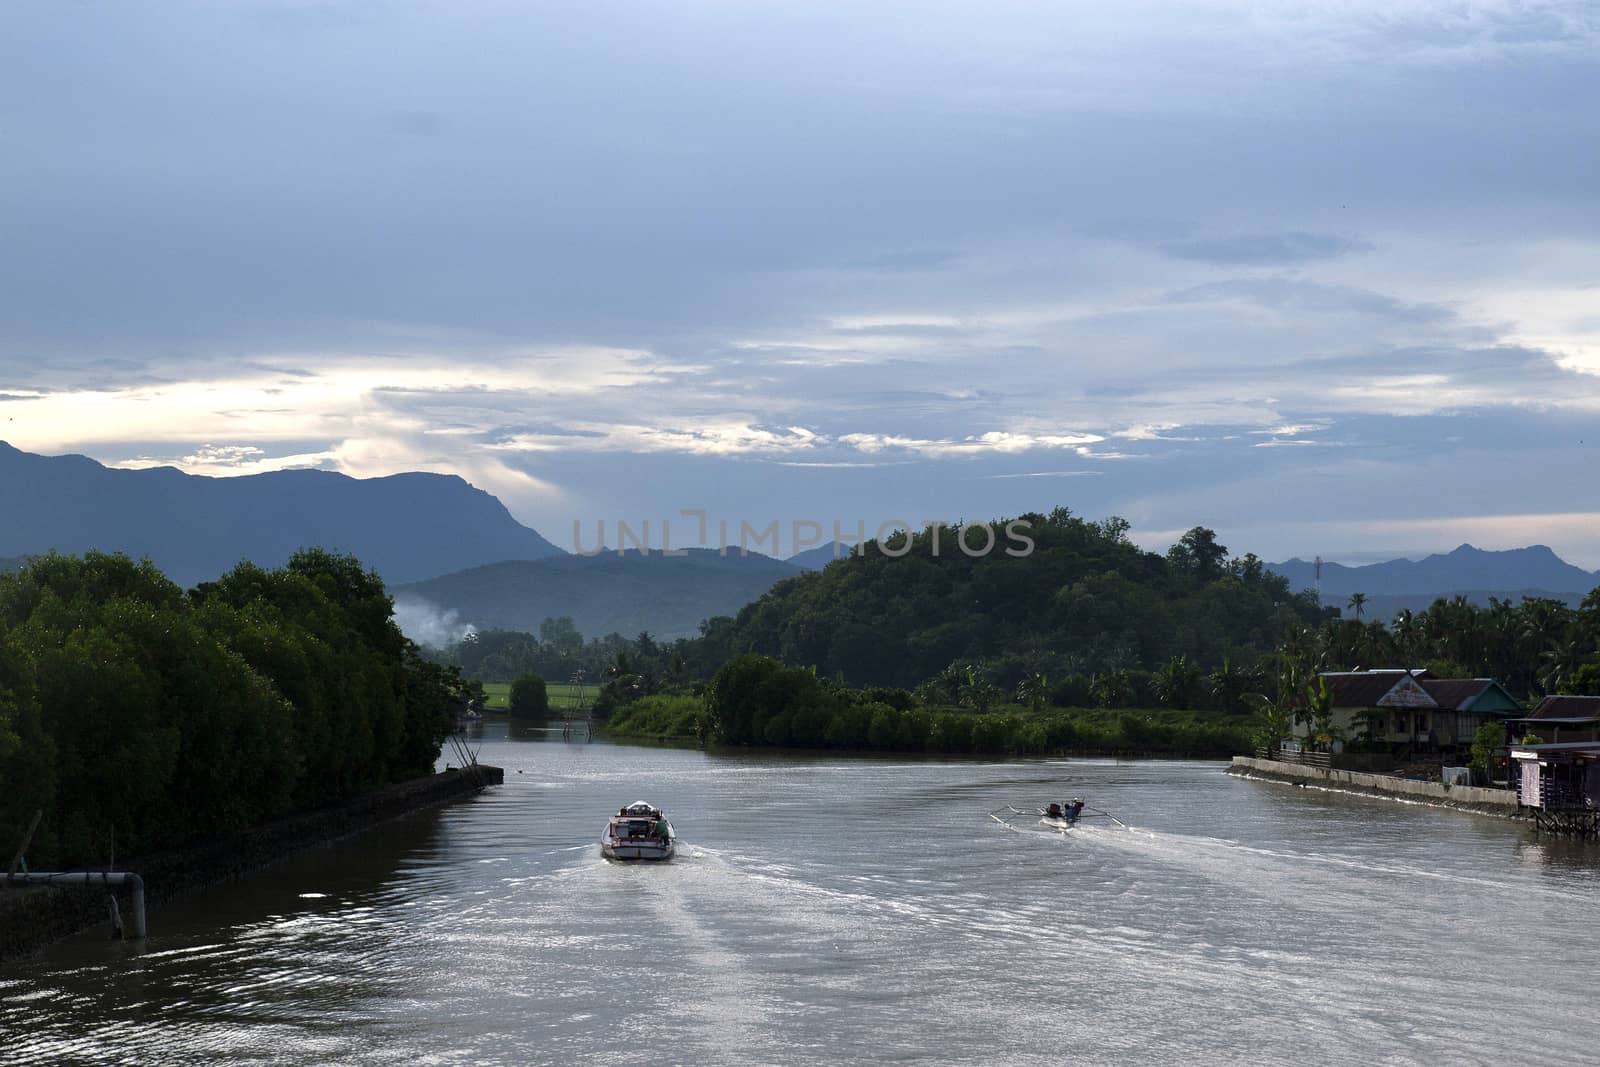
(405, 526)
(1086, 600)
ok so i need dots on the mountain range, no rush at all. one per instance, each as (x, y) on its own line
(405, 526)
(1474, 573)
(1466, 567)
(445, 546)
(608, 592)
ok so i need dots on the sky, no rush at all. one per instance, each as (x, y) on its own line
(1324, 277)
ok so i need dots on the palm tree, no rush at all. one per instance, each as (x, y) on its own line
(1177, 683)
(1561, 661)
(1112, 689)
(1033, 691)
(1275, 722)
(1230, 684)
(1407, 633)
(1358, 604)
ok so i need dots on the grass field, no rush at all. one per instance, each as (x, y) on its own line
(562, 696)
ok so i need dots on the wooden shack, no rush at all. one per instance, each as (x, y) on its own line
(1559, 783)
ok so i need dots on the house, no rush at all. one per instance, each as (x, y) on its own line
(1406, 709)
(1466, 704)
(1564, 718)
(1558, 776)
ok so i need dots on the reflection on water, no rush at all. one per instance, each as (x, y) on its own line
(832, 909)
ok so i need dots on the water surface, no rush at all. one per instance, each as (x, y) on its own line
(851, 910)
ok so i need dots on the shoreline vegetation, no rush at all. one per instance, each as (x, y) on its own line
(137, 717)
(756, 701)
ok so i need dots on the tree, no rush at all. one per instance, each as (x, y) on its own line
(1034, 691)
(529, 698)
(1197, 553)
(1177, 683)
(1113, 689)
(1273, 723)
(562, 635)
(1358, 604)
(1229, 684)
(1486, 746)
(1584, 681)
(1319, 713)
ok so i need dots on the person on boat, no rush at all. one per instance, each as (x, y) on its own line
(1077, 808)
(1053, 811)
(662, 830)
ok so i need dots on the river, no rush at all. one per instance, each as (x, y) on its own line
(851, 910)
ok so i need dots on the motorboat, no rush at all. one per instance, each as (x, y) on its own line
(1059, 817)
(639, 831)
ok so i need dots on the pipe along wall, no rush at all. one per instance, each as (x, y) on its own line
(108, 879)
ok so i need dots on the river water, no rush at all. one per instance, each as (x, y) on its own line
(837, 910)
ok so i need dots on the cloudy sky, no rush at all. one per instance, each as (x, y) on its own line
(1325, 277)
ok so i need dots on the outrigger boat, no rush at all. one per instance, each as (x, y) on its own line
(639, 831)
(1056, 817)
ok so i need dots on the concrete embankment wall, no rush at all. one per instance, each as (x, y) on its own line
(1467, 797)
(34, 917)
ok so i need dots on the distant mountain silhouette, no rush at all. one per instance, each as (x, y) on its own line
(1534, 570)
(814, 559)
(406, 526)
(667, 595)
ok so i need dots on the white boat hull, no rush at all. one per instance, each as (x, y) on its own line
(628, 850)
(1056, 824)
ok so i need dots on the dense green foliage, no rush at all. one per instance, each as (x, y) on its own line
(529, 698)
(661, 717)
(129, 706)
(756, 700)
(1086, 601)
(1487, 743)
(557, 653)
(1535, 647)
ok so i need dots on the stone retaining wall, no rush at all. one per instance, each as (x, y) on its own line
(33, 917)
(1467, 797)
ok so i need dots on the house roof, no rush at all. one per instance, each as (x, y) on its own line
(1362, 689)
(1586, 750)
(1551, 720)
(1460, 694)
(1565, 707)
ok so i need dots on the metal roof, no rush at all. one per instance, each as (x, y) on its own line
(1567, 707)
(1459, 694)
(1363, 689)
(1552, 720)
(1576, 749)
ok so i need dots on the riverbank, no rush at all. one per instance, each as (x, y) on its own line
(1005, 730)
(1501, 802)
(32, 918)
